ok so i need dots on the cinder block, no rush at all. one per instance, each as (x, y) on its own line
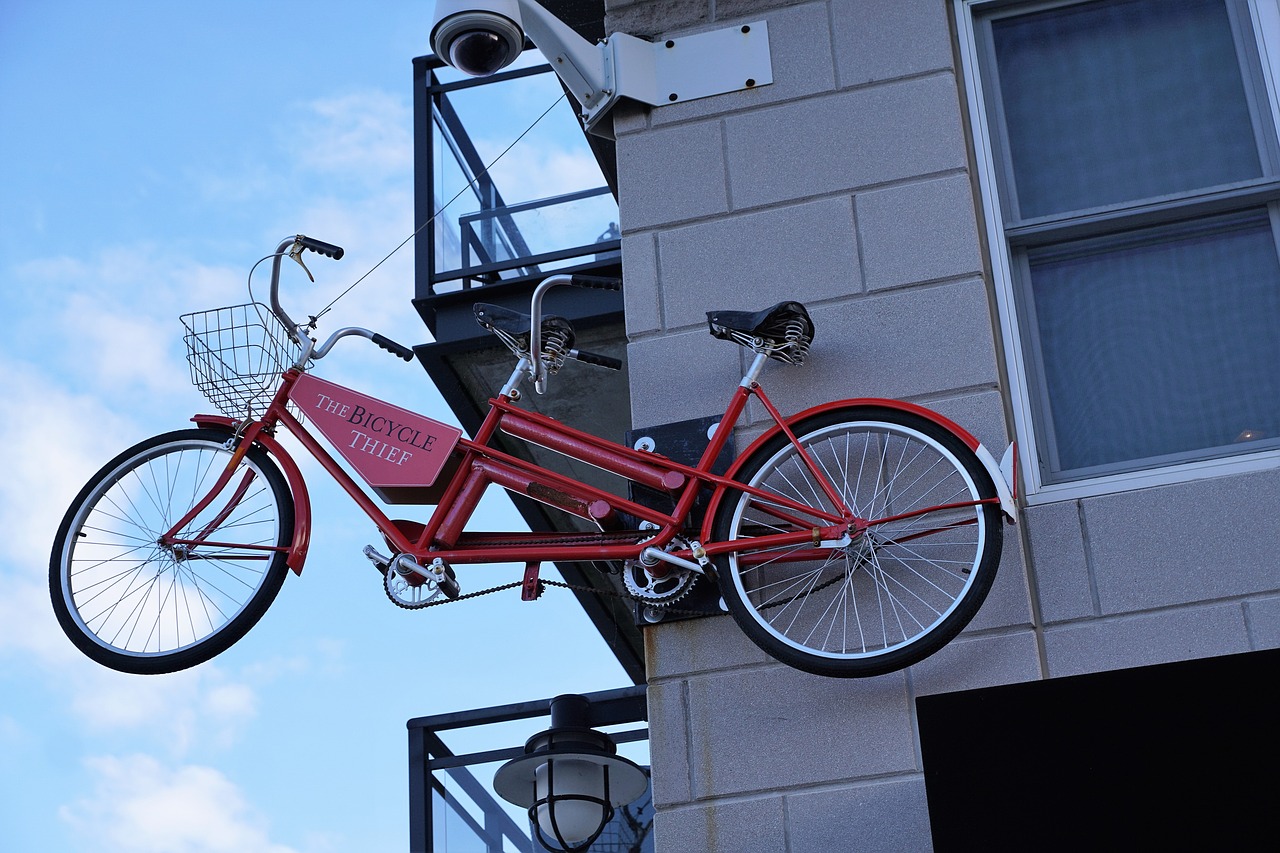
(883, 817)
(906, 344)
(969, 663)
(918, 232)
(800, 49)
(732, 827)
(640, 276)
(788, 728)
(671, 175)
(697, 645)
(1058, 561)
(1008, 604)
(751, 261)
(847, 140)
(681, 376)
(649, 18)
(737, 8)
(882, 39)
(1262, 615)
(981, 414)
(1193, 541)
(1187, 633)
(668, 743)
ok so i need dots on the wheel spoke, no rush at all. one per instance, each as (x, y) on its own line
(142, 603)
(914, 569)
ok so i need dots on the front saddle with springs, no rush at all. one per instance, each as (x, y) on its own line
(783, 332)
(512, 327)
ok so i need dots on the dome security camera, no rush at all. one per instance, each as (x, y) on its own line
(481, 37)
(477, 37)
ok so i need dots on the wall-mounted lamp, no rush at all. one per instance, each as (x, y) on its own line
(481, 37)
(570, 778)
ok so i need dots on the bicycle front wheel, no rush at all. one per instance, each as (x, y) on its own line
(133, 601)
(900, 589)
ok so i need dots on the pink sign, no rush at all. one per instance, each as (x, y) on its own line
(390, 447)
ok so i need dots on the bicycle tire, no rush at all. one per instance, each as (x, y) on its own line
(136, 606)
(898, 592)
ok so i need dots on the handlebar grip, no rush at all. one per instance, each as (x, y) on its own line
(391, 346)
(322, 248)
(596, 359)
(596, 282)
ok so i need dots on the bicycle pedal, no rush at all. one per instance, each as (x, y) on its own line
(380, 562)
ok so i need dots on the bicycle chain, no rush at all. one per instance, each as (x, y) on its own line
(603, 537)
(543, 583)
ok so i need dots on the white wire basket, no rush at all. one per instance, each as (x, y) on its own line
(236, 356)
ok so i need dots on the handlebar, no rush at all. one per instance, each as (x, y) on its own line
(538, 370)
(595, 358)
(320, 247)
(293, 247)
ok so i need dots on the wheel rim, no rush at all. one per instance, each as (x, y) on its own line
(132, 595)
(895, 582)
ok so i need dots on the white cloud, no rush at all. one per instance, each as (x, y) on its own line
(138, 805)
(203, 705)
(54, 440)
(357, 136)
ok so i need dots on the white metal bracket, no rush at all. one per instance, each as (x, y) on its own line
(682, 69)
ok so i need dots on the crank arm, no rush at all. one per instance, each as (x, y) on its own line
(651, 555)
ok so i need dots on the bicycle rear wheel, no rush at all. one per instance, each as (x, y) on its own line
(135, 604)
(902, 588)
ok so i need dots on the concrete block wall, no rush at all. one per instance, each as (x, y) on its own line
(846, 184)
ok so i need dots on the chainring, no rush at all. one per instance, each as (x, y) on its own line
(405, 594)
(657, 592)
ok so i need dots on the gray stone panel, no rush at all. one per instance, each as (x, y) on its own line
(677, 377)
(1193, 541)
(649, 18)
(1171, 635)
(1262, 615)
(971, 663)
(671, 175)
(884, 817)
(915, 343)
(980, 414)
(844, 141)
(918, 232)
(640, 278)
(1008, 603)
(881, 39)
(669, 743)
(732, 827)
(751, 261)
(732, 9)
(1058, 561)
(698, 645)
(800, 49)
(775, 727)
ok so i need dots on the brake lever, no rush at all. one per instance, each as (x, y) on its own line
(295, 252)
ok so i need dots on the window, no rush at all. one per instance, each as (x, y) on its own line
(1129, 163)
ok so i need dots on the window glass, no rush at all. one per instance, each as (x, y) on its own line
(1108, 102)
(1139, 192)
(1159, 342)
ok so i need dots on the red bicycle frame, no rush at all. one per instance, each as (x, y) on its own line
(476, 466)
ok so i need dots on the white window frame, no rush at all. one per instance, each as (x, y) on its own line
(1265, 15)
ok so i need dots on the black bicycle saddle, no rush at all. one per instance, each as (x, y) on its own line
(507, 323)
(783, 323)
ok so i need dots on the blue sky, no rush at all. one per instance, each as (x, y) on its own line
(150, 152)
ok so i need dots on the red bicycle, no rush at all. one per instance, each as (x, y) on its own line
(851, 539)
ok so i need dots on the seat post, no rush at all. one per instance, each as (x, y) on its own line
(517, 376)
(753, 372)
